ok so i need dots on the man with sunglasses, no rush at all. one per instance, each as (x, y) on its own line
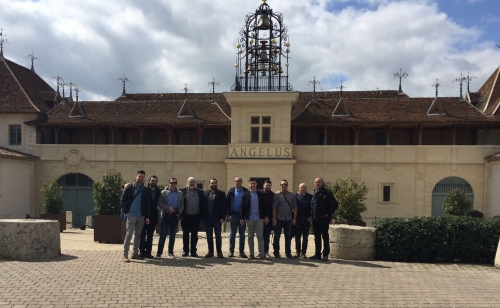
(234, 207)
(284, 216)
(171, 203)
(153, 193)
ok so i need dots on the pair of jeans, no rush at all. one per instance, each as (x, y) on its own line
(213, 225)
(235, 226)
(146, 245)
(320, 228)
(286, 226)
(190, 225)
(301, 232)
(134, 226)
(255, 227)
(267, 235)
(169, 225)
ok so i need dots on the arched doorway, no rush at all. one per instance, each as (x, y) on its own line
(441, 190)
(78, 196)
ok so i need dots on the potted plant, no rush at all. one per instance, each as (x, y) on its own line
(107, 194)
(456, 203)
(53, 204)
(350, 195)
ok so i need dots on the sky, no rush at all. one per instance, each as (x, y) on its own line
(163, 44)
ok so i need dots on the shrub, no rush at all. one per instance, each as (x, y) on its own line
(475, 213)
(53, 201)
(350, 195)
(457, 203)
(437, 239)
(107, 194)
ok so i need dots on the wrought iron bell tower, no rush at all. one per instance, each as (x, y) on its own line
(263, 52)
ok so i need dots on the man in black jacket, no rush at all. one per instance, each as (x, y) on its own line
(190, 217)
(254, 212)
(135, 204)
(323, 205)
(214, 214)
(234, 201)
(268, 206)
(153, 193)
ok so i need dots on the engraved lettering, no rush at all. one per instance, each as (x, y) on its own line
(278, 153)
(251, 152)
(233, 153)
(243, 152)
(261, 151)
(287, 152)
(268, 154)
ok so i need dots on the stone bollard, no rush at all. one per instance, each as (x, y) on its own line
(497, 256)
(29, 239)
(352, 242)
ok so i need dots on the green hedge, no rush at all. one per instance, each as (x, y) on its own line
(437, 239)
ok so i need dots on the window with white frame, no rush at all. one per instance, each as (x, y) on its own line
(14, 134)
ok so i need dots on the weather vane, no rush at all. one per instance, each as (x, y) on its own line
(437, 85)
(468, 79)
(77, 90)
(213, 83)
(400, 75)
(123, 80)
(185, 89)
(460, 80)
(314, 83)
(58, 81)
(33, 58)
(70, 85)
(341, 88)
(158, 95)
(63, 85)
(2, 41)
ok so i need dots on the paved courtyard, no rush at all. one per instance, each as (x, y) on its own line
(90, 274)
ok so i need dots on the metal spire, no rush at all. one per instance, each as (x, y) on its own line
(63, 85)
(213, 83)
(460, 80)
(185, 89)
(58, 82)
(158, 95)
(400, 75)
(123, 80)
(33, 58)
(314, 83)
(437, 85)
(71, 85)
(2, 41)
(341, 88)
(468, 79)
(77, 90)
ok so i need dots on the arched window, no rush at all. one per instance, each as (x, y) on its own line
(443, 187)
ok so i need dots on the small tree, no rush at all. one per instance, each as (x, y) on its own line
(350, 195)
(457, 203)
(53, 201)
(107, 194)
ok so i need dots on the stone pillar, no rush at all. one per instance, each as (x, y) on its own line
(352, 242)
(497, 257)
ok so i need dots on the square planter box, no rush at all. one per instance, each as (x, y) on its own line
(61, 217)
(109, 228)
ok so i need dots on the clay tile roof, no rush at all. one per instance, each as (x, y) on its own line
(474, 97)
(11, 154)
(133, 112)
(23, 91)
(400, 110)
(490, 93)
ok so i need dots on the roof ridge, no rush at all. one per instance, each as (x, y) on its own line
(491, 90)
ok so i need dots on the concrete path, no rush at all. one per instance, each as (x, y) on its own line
(90, 274)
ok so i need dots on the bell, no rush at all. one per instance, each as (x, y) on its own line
(252, 72)
(263, 55)
(262, 67)
(263, 23)
(264, 73)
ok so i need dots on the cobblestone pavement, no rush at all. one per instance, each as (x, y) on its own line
(90, 274)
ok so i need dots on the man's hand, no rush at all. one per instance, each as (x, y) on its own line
(274, 222)
(171, 209)
(309, 219)
(147, 221)
(126, 185)
(294, 222)
(266, 221)
(230, 218)
(221, 221)
(242, 222)
(278, 192)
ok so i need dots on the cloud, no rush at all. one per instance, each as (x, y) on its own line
(161, 45)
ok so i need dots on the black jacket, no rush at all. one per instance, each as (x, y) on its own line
(323, 203)
(185, 191)
(220, 208)
(230, 200)
(153, 204)
(245, 205)
(128, 197)
(268, 203)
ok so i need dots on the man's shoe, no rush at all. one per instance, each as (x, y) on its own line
(325, 258)
(297, 254)
(304, 256)
(289, 256)
(251, 257)
(171, 255)
(125, 259)
(184, 254)
(194, 255)
(220, 255)
(137, 257)
(209, 255)
(158, 257)
(315, 257)
(267, 255)
(243, 255)
(263, 257)
(149, 257)
(277, 255)
(231, 254)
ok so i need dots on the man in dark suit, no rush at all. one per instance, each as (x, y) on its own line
(148, 230)
(214, 214)
(190, 217)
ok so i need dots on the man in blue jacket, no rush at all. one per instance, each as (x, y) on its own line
(234, 201)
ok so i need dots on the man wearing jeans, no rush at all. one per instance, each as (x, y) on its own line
(234, 200)
(135, 204)
(214, 213)
(304, 219)
(253, 211)
(171, 203)
(284, 217)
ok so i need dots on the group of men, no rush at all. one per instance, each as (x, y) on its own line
(259, 211)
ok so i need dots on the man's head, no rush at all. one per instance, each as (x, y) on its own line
(252, 184)
(139, 178)
(238, 182)
(302, 189)
(153, 181)
(318, 183)
(213, 184)
(267, 185)
(191, 183)
(172, 183)
(284, 185)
